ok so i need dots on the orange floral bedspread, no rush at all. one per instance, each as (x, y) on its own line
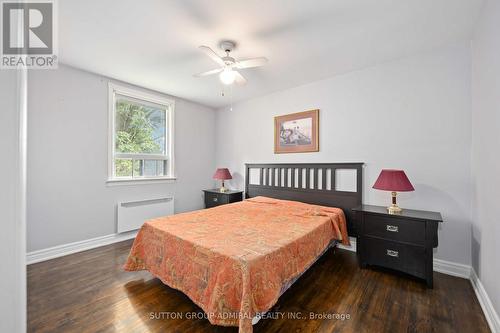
(235, 260)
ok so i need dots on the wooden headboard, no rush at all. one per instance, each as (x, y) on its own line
(313, 183)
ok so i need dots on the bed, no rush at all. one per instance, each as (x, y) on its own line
(235, 261)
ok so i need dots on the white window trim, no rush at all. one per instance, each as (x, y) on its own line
(114, 89)
(141, 181)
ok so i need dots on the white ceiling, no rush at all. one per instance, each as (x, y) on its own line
(154, 43)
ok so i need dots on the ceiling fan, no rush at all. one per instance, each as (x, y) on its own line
(228, 73)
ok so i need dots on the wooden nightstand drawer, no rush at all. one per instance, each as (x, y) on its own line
(405, 258)
(215, 198)
(393, 228)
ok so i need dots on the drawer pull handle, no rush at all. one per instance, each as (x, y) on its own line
(392, 253)
(215, 199)
(392, 228)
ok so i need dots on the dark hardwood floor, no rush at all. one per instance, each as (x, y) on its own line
(89, 292)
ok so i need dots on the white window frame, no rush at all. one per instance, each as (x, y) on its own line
(116, 89)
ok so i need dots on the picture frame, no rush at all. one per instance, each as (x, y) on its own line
(297, 132)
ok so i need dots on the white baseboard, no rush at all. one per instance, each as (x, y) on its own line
(452, 268)
(488, 309)
(65, 249)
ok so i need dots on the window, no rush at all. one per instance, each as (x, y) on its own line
(141, 134)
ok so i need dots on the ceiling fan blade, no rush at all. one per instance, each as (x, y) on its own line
(249, 63)
(211, 53)
(210, 72)
(239, 79)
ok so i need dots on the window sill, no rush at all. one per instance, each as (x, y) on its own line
(143, 181)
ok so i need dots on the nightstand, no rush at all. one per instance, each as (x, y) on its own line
(215, 197)
(402, 242)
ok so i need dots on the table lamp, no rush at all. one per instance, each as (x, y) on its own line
(222, 174)
(394, 181)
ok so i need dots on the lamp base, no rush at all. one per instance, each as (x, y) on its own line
(394, 209)
(222, 188)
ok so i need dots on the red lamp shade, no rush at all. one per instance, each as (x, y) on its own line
(222, 174)
(393, 180)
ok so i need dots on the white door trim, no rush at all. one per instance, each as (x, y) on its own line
(21, 203)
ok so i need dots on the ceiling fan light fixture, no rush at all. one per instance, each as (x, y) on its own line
(227, 64)
(227, 76)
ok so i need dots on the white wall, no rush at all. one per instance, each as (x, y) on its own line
(68, 199)
(12, 200)
(413, 114)
(485, 150)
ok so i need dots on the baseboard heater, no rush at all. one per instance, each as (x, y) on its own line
(132, 214)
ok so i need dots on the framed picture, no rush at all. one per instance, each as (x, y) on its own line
(297, 132)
